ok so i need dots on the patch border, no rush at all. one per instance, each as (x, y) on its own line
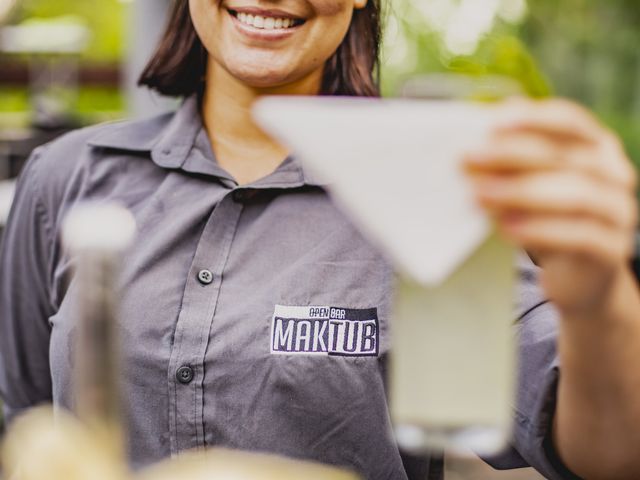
(327, 353)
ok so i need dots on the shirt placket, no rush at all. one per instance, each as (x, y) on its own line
(191, 338)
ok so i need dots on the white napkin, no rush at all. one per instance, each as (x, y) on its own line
(395, 166)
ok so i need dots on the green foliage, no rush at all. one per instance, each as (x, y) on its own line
(504, 55)
(587, 50)
(92, 105)
(105, 19)
(14, 99)
(590, 48)
(499, 53)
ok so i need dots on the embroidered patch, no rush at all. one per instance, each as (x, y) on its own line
(323, 330)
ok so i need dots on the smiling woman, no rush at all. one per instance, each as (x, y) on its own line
(245, 287)
(269, 47)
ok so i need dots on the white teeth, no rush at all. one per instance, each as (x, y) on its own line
(265, 23)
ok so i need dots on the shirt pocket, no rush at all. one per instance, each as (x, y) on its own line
(328, 347)
(352, 288)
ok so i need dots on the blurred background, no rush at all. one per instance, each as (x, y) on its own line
(69, 63)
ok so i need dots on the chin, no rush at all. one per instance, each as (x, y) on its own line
(264, 70)
(260, 76)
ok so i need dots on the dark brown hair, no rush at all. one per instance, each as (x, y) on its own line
(178, 66)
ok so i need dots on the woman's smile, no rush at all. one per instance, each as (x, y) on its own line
(263, 24)
(266, 44)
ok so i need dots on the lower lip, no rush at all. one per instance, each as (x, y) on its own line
(264, 34)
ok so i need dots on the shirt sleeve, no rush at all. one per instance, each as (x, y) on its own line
(538, 375)
(25, 306)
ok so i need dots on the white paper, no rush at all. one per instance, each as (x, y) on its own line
(395, 166)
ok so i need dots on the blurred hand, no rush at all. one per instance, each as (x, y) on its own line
(561, 186)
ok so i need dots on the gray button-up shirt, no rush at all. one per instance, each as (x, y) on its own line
(253, 317)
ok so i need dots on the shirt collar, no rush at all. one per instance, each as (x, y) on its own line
(167, 137)
(178, 140)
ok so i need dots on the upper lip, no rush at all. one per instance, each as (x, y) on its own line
(262, 12)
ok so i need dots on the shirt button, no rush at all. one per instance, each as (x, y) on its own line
(239, 196)
(184, 375)
(205, 277)
(244, 195)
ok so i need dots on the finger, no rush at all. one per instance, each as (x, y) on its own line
(513, 152)
(617, 162)
(562, 193)
(562, 234)
(558, 117)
